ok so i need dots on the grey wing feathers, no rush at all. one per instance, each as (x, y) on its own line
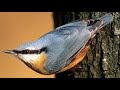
(72, 44)
(75, 36)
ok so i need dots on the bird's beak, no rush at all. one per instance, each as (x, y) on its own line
(9, 51)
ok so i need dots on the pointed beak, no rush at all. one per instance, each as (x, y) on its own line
(9, 51)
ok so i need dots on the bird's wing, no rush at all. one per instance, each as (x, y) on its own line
(74, 36)
(70, 38)
(73, 43)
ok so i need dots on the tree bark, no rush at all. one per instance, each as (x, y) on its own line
(103, 57)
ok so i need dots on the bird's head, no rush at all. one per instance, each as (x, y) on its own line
(31, 55)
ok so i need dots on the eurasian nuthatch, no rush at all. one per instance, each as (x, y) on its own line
(62, 48)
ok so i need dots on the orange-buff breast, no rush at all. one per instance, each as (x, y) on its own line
(78, 58)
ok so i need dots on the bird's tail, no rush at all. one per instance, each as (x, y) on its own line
(96, 25)
(106, 19)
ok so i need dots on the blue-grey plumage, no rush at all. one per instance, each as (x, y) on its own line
(107, 18)
(62, 43)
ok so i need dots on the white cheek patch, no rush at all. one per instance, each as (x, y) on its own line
(29, 57)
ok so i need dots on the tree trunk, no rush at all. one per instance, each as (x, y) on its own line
(103, 57)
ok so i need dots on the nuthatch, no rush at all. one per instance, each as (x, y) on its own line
(62, 48)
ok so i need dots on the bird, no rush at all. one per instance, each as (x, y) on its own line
(61, 48)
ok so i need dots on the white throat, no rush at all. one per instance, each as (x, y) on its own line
(28, 57)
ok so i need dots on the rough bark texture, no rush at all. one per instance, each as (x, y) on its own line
(103, 57)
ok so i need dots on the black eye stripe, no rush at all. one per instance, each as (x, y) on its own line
(27, 51)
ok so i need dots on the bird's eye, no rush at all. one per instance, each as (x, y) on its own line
(25, 51)
(31, 51)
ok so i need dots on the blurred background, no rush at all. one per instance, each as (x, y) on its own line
(15, 29)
